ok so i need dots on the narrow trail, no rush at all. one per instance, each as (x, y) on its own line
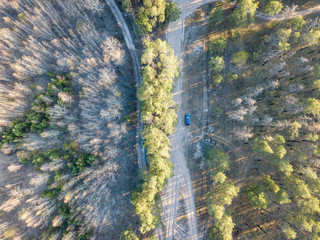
(136, 66)
(288, 15)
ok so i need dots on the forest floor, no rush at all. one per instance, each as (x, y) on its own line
(201, 98)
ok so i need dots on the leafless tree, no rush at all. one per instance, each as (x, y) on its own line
(243, 133)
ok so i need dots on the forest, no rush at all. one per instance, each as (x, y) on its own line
(67, 135)
(268, 116)
(72, 110)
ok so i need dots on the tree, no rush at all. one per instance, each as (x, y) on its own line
(217, 159)
(216, 15)
(284, 46)
(217, 79)
(273, 7)
(279, 151)
(225, 226)
(172, 12)
(309, 206)
(312, 106)
(225, 193)
(316, 71)
(256, 196)
(279, 139)
(285, 167)
(282, 197)
(128, 234)
(216, 211)
(218, 45)
(217, 63)
(311, 38)
(160, 67)
(219, 177)
(262, 146)
(288, 231)
(297, 23)
(270, 184)
(298, 187)
(294, 129)
(316, 84)
(240, 58)
(244, 15)
(150, 14)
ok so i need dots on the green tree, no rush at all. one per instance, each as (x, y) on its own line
(225, 193)
(289, 232)
(282, 197)
(279, 151)
(309, 206)
(298, 187)
(285, 167)
(216, 211)
(262, 146)
(240, 58)
(219, 177)
(217, 159)
(128, 234)
(316, 84)
(150, 14)
(297, 23)
(256, 196)
(294, 129)
(218, 45)
(172, 12)
(225, 226)
(312, 106)
(279, 139)
(216, 15)
(316, 71)
(244, 15)
(273, 7)
(311, 38)
(270, 184)
(217, 63)
(217, 79)
(284, 46)
(159, 68)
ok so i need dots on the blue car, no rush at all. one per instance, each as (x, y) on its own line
(187, 119)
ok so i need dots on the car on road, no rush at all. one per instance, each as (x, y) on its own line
(187, 119)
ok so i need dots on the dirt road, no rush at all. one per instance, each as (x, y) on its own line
(288, 15)
(136, 65)
(180, 185)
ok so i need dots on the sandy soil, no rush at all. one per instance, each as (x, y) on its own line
(181, 181)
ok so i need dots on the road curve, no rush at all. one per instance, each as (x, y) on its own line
(136, 66)
(180, 185)
(287, 15)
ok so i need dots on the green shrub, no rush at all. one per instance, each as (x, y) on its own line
(297, 23)
(273, 7)
(217, 79)
(240, 58)
(256, 196)
(244, 15)
(218, 45)
(217, 63)
(216, 15)
(51, 193)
